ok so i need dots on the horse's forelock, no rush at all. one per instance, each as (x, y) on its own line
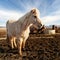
(35, 11)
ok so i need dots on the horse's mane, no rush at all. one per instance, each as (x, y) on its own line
(23, 18)
(37, 11)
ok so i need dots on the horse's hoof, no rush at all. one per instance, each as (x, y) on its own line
(12, 47)
(9, 46)
(20, 54)
(23, 49)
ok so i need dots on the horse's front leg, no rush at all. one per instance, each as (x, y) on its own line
(15, 42)
(24, 42)
(19, 44)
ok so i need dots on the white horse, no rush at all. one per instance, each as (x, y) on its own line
(19, 30)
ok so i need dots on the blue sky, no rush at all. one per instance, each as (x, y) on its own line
(13, 9)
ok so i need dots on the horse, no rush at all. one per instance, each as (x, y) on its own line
(19, 30)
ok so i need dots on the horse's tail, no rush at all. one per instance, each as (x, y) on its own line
(7, 24)
(7, 37)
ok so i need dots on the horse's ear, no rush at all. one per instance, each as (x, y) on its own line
(33, 10)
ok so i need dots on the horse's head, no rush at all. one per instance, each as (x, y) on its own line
(35, 18)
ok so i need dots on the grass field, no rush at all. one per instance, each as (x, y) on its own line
(38, 47)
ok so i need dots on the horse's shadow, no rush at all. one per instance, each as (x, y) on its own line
(5, 48)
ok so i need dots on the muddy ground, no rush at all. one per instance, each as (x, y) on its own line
(38, 47)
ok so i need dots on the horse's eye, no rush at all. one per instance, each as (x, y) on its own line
(35, 17)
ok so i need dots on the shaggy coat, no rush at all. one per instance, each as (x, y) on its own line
(18, 31)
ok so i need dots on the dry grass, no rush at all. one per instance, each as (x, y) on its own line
(38, 46)
(2, 32)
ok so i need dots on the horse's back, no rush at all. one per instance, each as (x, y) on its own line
(10, 25)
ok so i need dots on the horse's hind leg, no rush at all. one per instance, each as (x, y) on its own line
(11, 42)
(19, 44)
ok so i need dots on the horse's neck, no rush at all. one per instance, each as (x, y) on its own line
(26, 25)
(25, 21)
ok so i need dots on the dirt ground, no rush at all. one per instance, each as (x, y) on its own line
(38, 47)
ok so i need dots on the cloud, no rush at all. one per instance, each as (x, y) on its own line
(49, 19)
(52, 15)
(5, 15)
(8, 15)
(49, 9)
(53, 18)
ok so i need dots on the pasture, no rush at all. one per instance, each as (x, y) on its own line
(38, 47)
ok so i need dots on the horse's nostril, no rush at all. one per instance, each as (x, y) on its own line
(41, 24)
